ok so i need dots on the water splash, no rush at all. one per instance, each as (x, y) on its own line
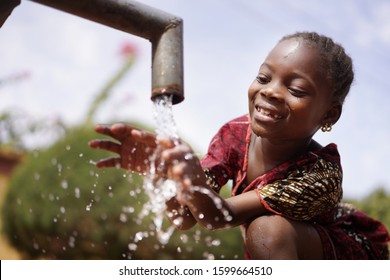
(160, 190)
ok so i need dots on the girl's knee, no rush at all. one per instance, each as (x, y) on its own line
(271, 237)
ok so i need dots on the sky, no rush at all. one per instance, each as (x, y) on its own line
(52, 64)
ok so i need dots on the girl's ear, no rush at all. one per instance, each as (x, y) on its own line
(332, 115)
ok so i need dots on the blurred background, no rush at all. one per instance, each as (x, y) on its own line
(54, 66)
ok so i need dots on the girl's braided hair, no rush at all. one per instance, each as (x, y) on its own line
(337, 64)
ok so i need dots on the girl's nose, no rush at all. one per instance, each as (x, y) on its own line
(272, 92)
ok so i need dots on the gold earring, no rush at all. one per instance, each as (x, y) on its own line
(326, 127)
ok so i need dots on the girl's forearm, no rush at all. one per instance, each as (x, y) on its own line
(213, 212)
(210, 210)
(179, 215)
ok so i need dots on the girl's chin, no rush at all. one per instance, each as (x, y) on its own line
(263, 131)
(258, 131)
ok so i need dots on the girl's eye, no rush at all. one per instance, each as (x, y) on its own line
(262, 79)
(297, 92)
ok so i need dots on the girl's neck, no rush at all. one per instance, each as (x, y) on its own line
(280, 151)
(265, 154)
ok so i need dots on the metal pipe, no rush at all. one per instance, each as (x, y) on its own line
(163, 30)
(6, 8)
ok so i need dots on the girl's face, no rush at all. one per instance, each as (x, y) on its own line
(290, 99)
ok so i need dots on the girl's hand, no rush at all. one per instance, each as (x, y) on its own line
(182, 166)
(134, 147)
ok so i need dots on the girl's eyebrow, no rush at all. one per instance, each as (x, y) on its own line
(266, 65)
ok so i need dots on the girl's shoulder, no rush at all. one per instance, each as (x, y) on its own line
(237, 124)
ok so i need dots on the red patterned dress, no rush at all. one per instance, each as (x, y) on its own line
(307, 188)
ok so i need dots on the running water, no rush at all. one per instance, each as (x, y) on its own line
(159, 190)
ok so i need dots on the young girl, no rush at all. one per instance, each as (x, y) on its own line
(286, 187)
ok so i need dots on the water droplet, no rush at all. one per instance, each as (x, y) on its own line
(128, 209)
(184, 238)
(72, 241)
(77, 192)
(208, 256)
(59, 168)
(189, 156)
(37, 176)
(123, 217)
(64, 184)
(88, 207)
(132, 246)
(138, 236)
(178, 221)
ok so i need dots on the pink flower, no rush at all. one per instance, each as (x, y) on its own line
(128, 49)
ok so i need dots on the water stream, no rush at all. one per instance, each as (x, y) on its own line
(159, 190)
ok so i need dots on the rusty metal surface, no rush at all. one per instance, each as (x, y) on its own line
(6, 8)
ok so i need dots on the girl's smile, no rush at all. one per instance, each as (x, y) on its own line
(267, 113)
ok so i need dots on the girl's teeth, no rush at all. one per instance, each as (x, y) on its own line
(268, 113)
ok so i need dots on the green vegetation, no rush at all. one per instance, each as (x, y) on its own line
(376, 205)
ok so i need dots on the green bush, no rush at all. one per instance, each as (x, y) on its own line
(376, 205)
(60, 206)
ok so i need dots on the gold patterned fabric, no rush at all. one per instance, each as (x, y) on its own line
(305, 192)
